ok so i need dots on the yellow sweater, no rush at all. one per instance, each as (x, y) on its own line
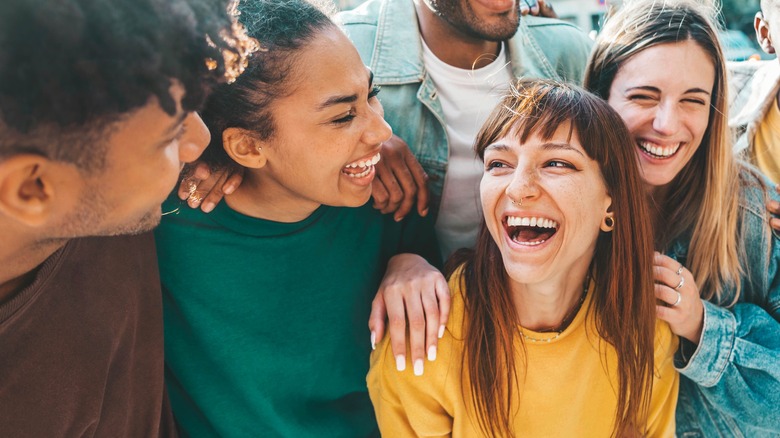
(567, 390)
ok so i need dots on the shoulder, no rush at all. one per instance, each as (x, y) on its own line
(365, 14)
(563, 33)
(745, 70)
(457, 285)
(754, 190)
(665, 342)
(554, 25)
(750, 80)
(550, 48)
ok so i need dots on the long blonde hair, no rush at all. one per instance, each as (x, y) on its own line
(703, 203)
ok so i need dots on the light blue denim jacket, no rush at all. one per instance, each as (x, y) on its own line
(730, 385)
(388, 39)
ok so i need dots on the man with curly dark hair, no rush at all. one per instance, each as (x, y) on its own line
(97, 101)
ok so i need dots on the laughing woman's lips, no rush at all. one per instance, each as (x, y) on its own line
(531, 230)
(360, 168)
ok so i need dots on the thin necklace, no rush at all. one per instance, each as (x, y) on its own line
(566, 319)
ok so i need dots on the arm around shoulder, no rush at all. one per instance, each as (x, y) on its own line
(736, 364)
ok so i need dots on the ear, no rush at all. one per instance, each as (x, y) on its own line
(244, 148)
(762, 33)
(27, 189)
(608, 222)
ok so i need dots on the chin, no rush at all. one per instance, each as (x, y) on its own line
(656, 181)
(146, 223)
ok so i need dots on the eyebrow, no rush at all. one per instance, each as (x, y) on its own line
(335, 100)
(546, 146)
(658, 90)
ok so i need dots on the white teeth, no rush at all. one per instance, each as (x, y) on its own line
(659, 151)
(514, 221)
(364, 163)
(359, 175)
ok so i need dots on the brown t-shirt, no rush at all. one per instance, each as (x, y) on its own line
(81, 348)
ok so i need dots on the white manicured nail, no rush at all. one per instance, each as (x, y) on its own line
(400, 362)
(418, 367)
(432, 353)
(373, 341)
(441, 331)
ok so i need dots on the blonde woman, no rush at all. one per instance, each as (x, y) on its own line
(659, 64)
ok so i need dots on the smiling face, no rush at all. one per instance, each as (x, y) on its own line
(491, 20)
(666, 109)
(327, 131)
(560, 201)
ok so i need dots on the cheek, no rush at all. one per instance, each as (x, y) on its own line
(490, 190)
(633, 119)
(699, 126)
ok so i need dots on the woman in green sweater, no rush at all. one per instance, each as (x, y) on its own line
(267, 297)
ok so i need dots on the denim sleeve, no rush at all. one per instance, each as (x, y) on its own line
(737, 362)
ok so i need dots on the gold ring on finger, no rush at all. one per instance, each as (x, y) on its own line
(195, 197)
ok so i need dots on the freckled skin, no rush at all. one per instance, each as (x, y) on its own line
(562, 184)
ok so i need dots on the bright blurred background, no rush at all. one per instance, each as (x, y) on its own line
(737, 37)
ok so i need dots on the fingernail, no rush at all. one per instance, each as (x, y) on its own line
(441, 331)
(424, 213)
(373, 341)
(230, 189)
(400, 362)
(207, 207)
(399, 219)
(432, 353)
(418, 367)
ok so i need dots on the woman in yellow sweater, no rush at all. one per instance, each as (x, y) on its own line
(553, 329)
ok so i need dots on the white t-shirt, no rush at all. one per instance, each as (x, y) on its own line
(467, 98)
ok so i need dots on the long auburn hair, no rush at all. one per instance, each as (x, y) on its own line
(621, 266)
(703, 201)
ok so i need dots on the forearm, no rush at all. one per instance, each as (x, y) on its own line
(737, 363)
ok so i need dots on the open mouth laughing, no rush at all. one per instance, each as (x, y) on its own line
(360, 168)
(657, 151)
(530, 230)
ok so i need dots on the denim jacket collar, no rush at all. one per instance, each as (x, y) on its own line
(401, 62)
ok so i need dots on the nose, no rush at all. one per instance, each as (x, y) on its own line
(196, 138)
(667, 119)
(524, 185)
(377, 130)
